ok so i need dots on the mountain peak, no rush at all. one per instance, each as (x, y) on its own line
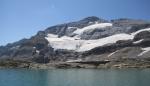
(93, 19)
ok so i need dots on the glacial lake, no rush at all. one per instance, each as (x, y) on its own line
(75, 77)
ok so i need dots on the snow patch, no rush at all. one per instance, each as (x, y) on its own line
(145, 50)
(91, 27)
(71, 27)
(76, 44)
(37, 51)
(52, 36)
(64, 42)
(90, 44)
(90, 22)
(72, 43)
(112, 53)
(134, 33)
(78, 60)
(136, 42)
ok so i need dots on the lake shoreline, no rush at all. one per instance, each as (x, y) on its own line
(68, 65)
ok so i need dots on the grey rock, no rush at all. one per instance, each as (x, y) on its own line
(37, 48)
(142, 35)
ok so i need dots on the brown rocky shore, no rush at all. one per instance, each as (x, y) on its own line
(66, 65)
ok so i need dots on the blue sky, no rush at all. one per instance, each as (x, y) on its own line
(23, 18)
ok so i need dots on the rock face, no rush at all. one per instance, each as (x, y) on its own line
(90, 31)
(142, 35)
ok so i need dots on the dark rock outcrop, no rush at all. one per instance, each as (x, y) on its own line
(142, 35)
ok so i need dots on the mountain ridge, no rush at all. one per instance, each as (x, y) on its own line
(83, 33)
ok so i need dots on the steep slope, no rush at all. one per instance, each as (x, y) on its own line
(91, 38)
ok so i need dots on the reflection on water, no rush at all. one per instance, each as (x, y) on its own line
(75, 77)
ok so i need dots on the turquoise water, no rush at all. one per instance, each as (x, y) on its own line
(75, 77)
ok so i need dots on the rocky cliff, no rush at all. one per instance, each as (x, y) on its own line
(89, 39)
